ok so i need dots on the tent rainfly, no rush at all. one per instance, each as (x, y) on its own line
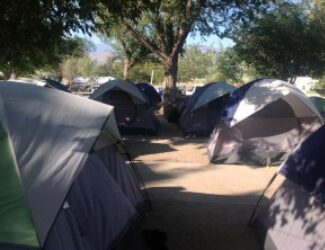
(319, 103)
(132, 109)
(261, 124)
(202, 110)
(295, 217)
(48, 83)
(151, 93)
(63, 182)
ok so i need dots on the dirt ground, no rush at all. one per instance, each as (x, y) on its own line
(200, 206)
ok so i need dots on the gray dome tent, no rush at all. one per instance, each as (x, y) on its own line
(262, 122)
(63, 183)
(203, 109)
(132, 110)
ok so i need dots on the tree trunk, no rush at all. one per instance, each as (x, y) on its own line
(8, 73)
(171, 68)
(60, 72)
(127, 67)
(173, 98)
(293, 79)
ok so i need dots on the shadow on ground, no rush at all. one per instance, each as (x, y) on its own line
(197, 221)
(150, 175)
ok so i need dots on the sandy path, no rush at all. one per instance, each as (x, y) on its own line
(199, 206)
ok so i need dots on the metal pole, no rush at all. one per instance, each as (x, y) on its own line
(252, 217)
(151, 81)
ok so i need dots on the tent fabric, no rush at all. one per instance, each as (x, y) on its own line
(132, 110)
(100, 216)
(48, 83)
(55, 85)
(305, 167)
(125, 86)
(203, 109)
(13, 206)
(125, 178)
(319, 103)
(293, 219)
(256, 95)
(211, 92)
(272, 129)
(150, 92)
(92, 218)
(50, 148)
(202, 121)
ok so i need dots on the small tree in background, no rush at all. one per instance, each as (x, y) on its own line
(126, 48)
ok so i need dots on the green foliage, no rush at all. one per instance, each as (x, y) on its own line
(230, 68)
(163, 26)
(33, 33)
(286, 42)
(126, 48)
(142, 72)
(196, 62)
(112, 67)
(78, 66)
(321, 83)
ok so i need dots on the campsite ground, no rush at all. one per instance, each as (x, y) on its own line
(200, 206)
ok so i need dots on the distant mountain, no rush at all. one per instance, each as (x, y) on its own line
(101, 53)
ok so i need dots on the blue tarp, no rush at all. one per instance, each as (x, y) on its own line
(306, 166)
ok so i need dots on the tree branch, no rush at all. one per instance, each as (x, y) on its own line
(144, 41)
(186, 26)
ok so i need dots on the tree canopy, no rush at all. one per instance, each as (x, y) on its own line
(285, 42)
(126, 48)
(34, 33)
(163, 26)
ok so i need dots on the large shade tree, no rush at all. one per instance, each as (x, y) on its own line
(285, 42)
(162, 26)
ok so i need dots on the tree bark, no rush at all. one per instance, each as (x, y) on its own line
(8, 73)
(127, 67)
(171, 69)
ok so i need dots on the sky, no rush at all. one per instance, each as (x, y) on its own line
(103, 51)
(212, 40)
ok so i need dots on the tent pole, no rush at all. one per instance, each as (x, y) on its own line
(252, 217)
(139, 176)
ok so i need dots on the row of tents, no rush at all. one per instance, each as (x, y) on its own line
(64, 180)
(267, 122)
(65, 183)
(257, 124)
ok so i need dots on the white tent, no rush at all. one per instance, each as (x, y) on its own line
(262, 122)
